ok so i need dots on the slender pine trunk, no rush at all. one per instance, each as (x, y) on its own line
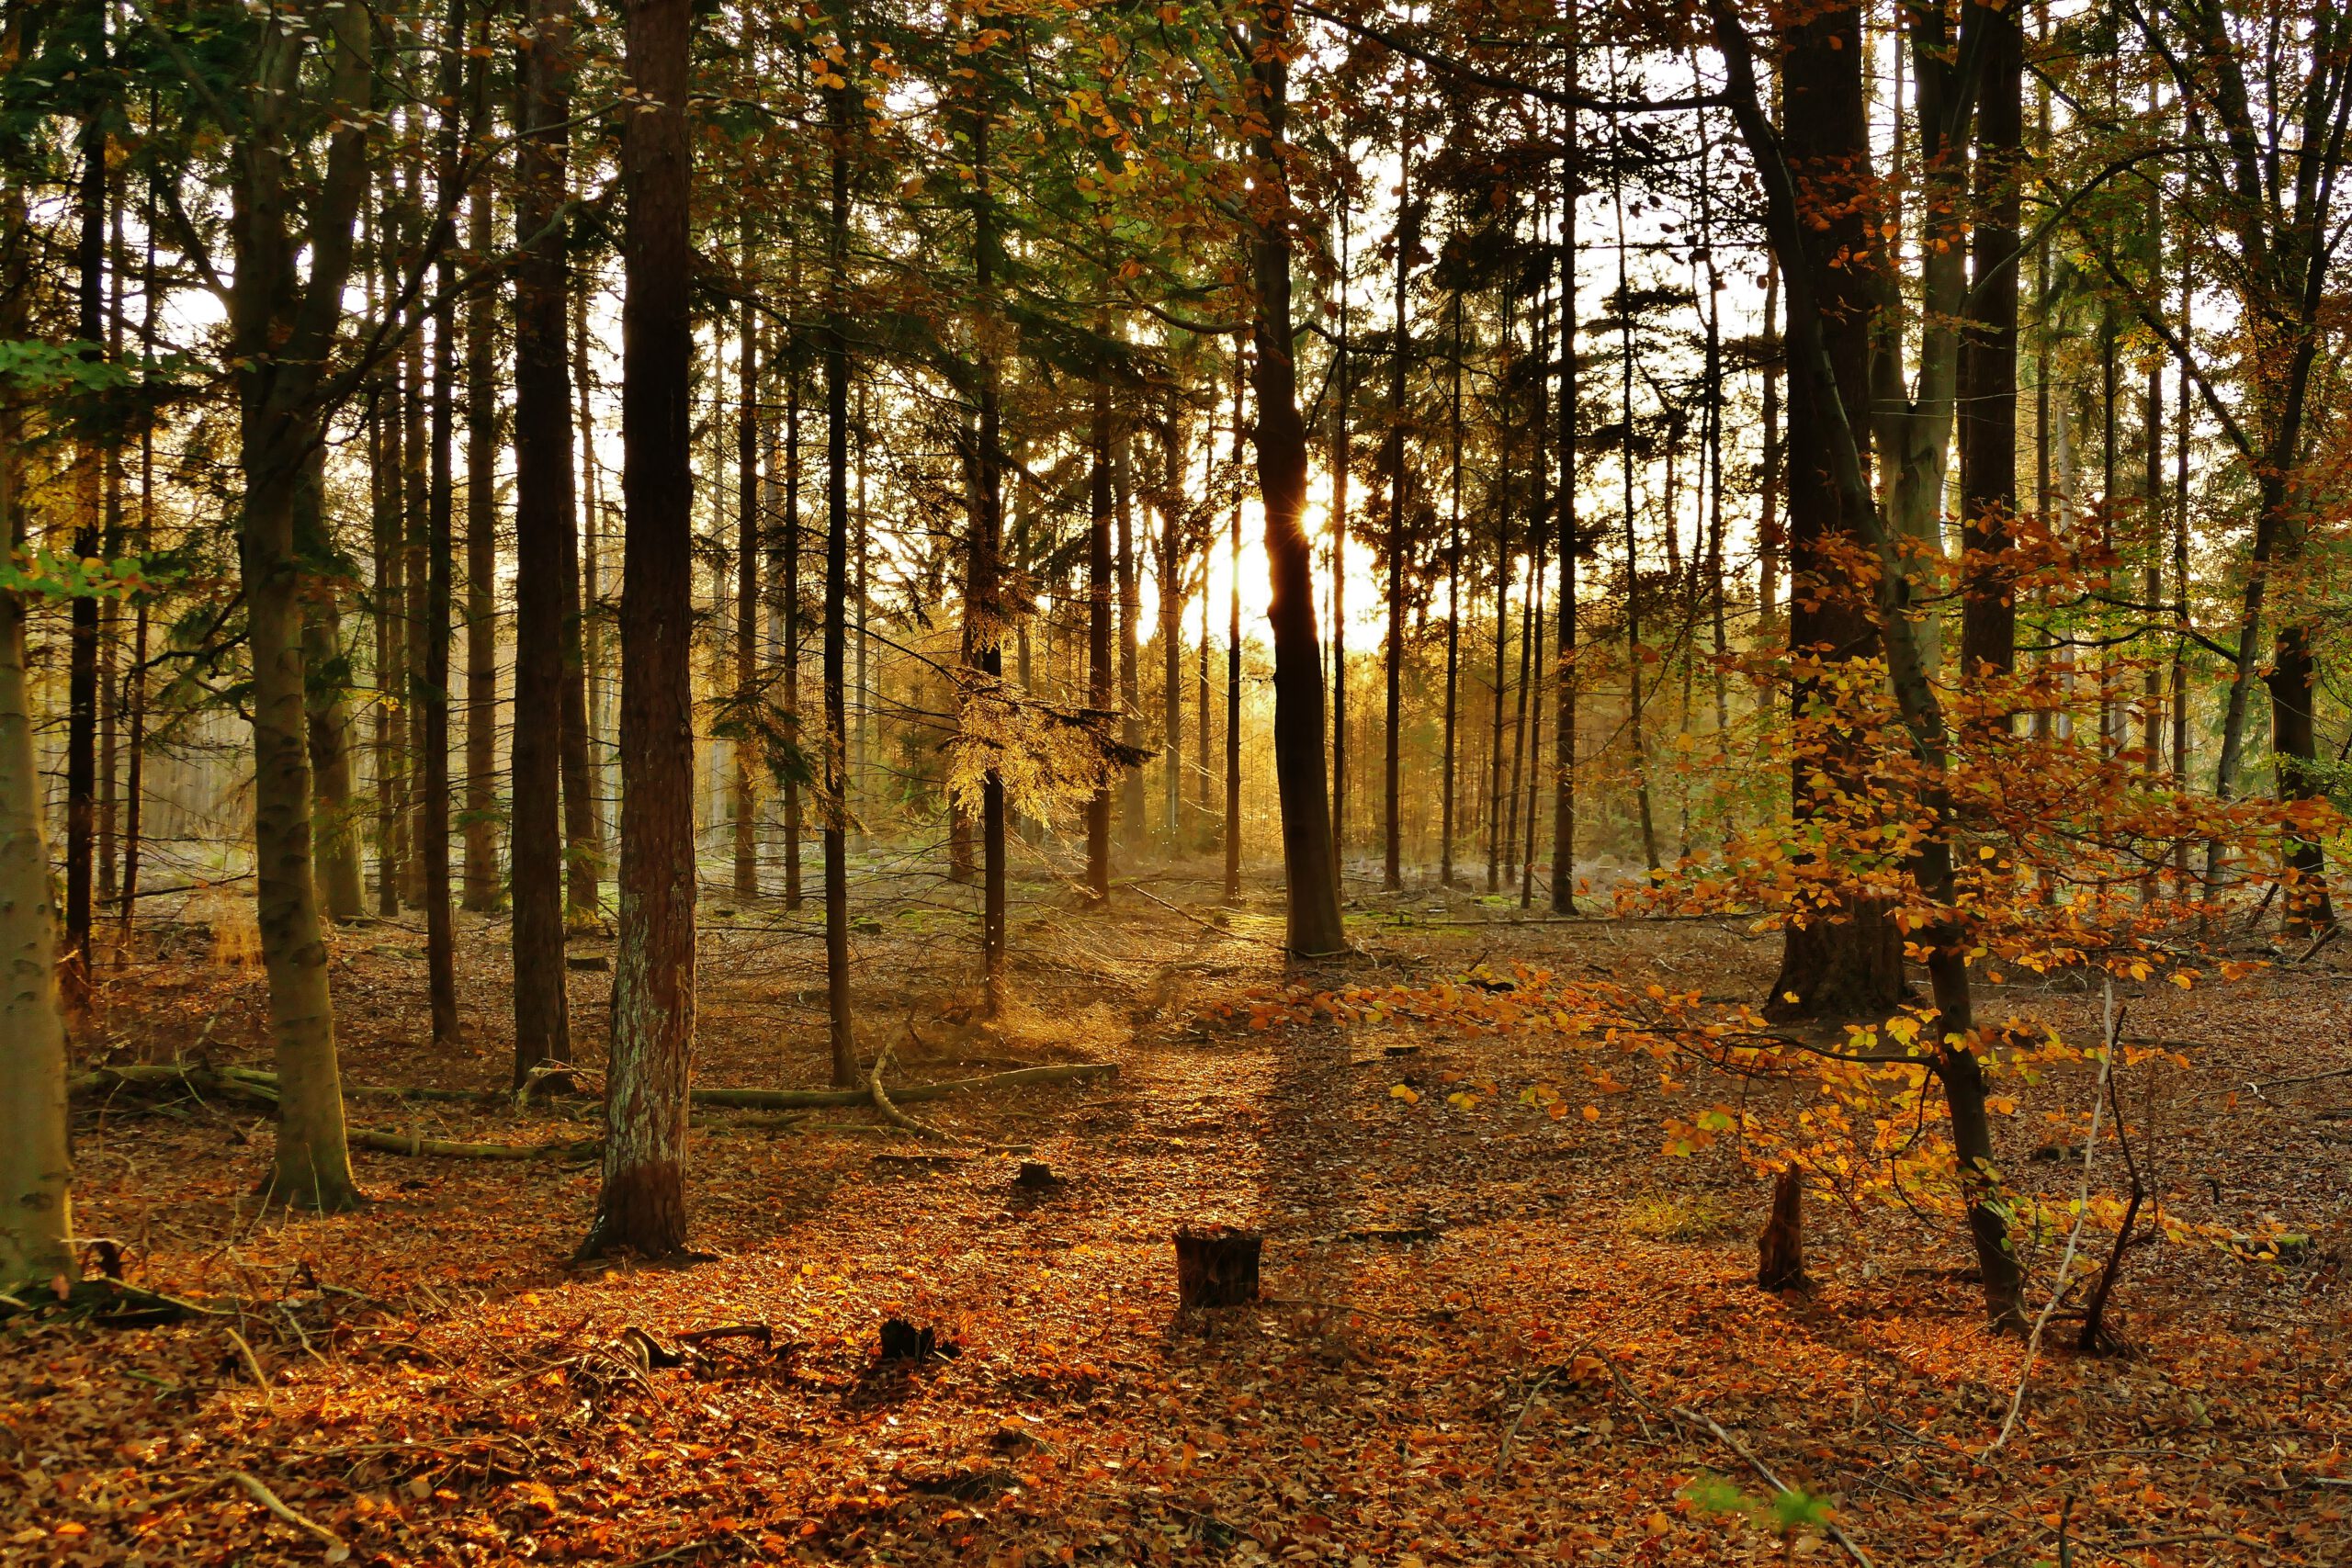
(841, 1032)
(543, 520)
(642, 1206)
(1399, 354)
(1098, 623)
(479, 878)
(746, 591)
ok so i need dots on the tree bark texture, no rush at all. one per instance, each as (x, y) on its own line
(1310, 866)
(643, 1204)
(543, 520)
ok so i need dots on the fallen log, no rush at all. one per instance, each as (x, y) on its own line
(199, 1076)
(892, 1112)
(907, 1094)
(392, 1142)
(153, 1075)
(251, 1083)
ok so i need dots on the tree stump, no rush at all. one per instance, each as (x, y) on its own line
(1216, 1266)
(1780, 1251)
(1036, 1176)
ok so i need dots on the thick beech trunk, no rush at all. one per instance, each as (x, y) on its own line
(543, 521)
(1310, 865)
(1837, 445)
(1847, 960)
(643, 1204)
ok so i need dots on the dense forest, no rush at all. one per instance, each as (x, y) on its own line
(1014, 783)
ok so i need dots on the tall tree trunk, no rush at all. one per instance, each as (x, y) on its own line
(988, 551)
(842, 1036)
(1171, 628)
(643, 1204)
(1534, 708)
(1635, 723)
(110, 611)
(585, 699)
(746, 590)
(784, 573)
(480, 876)
(1098, 625)
(1570, 540)
(135, 693)
(2185, 427)
(1454, 606)
(1310, 861)
(1399, 352)
(82, 635)
(1987, 429)
(416, 546)
(1503, 352)
(543, 520)
(1131, 826)
(1771, 529)
(1846, 960)
(1233, 662)
(858, 757)
(36, 1167)
(440, 936)
(1519, 747)
(391, 618)
(327, 719)
(1813, 57)
(281, 333)
(1342, 405)
(1538, 334)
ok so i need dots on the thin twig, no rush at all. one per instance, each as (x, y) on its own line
(1503, 1458)
(2082, 1212)
(1774, 1482)
(337, 1550)
(252, 1363)
(2261, 1084)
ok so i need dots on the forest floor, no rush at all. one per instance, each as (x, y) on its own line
(1489, 1333)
